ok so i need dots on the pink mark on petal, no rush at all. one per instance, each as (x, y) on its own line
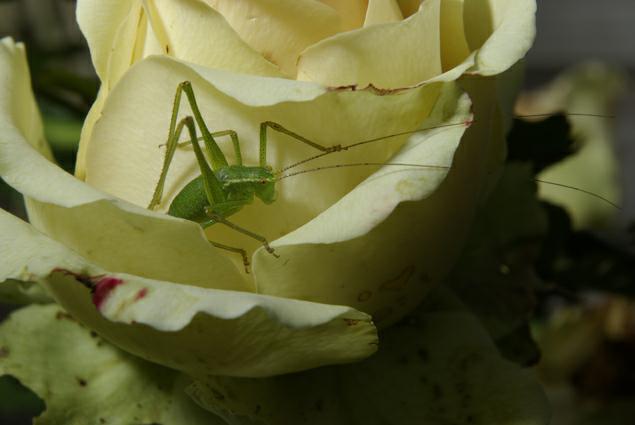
(103, 288)
(141, 294)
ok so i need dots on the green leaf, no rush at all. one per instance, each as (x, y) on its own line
(437, 366)
(84, 380)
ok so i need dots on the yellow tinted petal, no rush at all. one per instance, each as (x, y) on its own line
(279, 29)
(194, 330)
(391, 55)
(382, 12)
(351, 12)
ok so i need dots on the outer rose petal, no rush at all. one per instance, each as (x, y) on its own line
(198, 331)
(391, 55)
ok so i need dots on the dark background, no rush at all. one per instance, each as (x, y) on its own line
(569, 31)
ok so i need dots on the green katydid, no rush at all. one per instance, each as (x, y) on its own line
(223, 189)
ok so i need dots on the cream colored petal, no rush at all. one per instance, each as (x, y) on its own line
(196, 33)
(195, 330)
(280, 29)
(382, 12)
(136, 119)
(112, 233)
(351, 12)
(118, 31)
(393, 237)
(388, 56)
(100, 21)
(501, 30)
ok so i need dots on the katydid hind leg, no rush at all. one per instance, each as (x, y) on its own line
(235, 250)
(222, 220)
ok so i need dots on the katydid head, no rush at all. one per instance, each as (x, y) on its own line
(266, 187)
(242, 183)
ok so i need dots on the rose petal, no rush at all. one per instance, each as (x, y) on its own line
(382, 12)
(351, 12)
(392, 55)
(195, 330)
(137, 114)
(280, 29)
(501, 30)
(114, 234)
(376, 248)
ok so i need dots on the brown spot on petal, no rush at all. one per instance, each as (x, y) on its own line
(364, 296)
(398, 282)
(351, 322)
